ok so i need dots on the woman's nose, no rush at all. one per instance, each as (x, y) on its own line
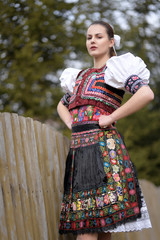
(93, 40)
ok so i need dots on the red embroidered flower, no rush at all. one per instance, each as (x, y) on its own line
(85, 193)
(103, 223)
(113, 131)
(86, 214)
(97, 223)
(111, 188)
(116, 207)
(134, 204)
(136, 209)
(106, 199)
(87, 223)
(87, 140)
(101, 134)
(125, 157)
(114, 161)
(132, 192)
(125, 190)
(127, 204)
(81, 224)
(122, 146)
(122, 173)
(97, 191)
(109, 174)
(73, 224)
(96, 137)
(127, 170)
(101, 213)
(119, 151)
(130, 179)
(105, 153)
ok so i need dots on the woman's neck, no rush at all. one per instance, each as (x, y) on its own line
(100, 62)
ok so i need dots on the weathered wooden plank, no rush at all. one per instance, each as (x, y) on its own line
(5, 186)
(12, 167)
(53, 200)
(30, 176)
(44, 176)
(40, 214)
(22, 178)
(3, 224)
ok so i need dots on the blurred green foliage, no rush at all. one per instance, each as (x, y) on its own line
(39, 38)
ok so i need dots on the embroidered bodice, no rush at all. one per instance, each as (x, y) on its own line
(103, 88)
(91, 89)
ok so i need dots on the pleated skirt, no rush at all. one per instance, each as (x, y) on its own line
(101, 189)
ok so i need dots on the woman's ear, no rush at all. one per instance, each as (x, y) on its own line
(112, 42)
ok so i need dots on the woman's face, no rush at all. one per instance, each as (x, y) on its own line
(97, 42)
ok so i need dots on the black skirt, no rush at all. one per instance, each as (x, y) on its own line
(101, 190)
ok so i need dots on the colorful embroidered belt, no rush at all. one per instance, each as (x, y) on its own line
(87, 134)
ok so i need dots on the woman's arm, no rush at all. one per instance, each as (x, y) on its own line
(64, 114)
(141, 98)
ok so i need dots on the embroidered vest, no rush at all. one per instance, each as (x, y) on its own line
(91, 89)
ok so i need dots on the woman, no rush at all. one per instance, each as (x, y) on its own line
(101, 190)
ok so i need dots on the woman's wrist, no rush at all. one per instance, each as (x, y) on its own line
(112, 117)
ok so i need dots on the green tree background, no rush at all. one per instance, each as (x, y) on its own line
(39, 38)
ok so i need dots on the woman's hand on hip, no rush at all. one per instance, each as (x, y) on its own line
(105, 121)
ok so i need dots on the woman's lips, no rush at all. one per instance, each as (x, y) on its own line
(93, 48)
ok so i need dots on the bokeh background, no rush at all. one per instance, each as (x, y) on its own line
(39, 38)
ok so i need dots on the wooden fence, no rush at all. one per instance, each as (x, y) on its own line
(32, 162)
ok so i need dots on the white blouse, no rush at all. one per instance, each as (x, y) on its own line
(119, 70)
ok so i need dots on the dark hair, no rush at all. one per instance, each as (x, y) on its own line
(109, 31)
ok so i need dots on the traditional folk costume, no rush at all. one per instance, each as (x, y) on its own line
(101, 190)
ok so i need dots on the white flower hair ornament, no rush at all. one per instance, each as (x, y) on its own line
(117, 40)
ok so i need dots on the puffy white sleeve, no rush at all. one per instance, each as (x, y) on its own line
(68, 78)
(126, 72)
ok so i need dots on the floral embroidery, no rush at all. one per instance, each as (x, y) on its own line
(133, 83)
(112, 154)
(112, 197)
(115, 169)
(115, 201)
(113, 161)
(111, 143)
(116, 177)
(106, 199)
(86, 113)
(109, 174)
